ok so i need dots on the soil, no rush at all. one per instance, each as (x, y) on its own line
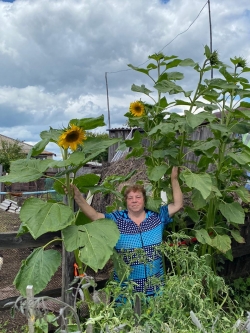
(9, 222)
(11, 325)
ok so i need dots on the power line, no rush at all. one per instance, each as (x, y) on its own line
(186, 29)
(129, 69)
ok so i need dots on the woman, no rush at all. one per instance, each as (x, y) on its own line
(141, 233)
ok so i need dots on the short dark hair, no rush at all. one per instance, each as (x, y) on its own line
(135, 188)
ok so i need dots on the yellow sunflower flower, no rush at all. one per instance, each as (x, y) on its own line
(137, 109)
(72, 137)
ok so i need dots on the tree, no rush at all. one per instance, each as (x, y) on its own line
(10, 152)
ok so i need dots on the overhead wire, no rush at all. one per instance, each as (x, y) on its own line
(129, 69)
(186, 29)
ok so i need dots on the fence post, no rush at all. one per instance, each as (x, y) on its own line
(30, 308)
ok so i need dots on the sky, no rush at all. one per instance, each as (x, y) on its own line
(54, 55)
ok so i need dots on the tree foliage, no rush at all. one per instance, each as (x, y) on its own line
(10, 152)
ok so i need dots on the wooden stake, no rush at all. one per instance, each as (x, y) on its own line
(31, 310)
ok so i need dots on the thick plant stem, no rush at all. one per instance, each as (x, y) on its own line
(196, 96)
(209, 225)
(70, 202)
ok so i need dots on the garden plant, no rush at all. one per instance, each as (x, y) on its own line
(213, 182)
(213, 178)
(183, 305)
(92, 243)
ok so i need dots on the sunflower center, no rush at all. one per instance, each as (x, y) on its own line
(72, 136)
(138, 108)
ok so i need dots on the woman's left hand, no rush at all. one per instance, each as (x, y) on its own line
(174, 173)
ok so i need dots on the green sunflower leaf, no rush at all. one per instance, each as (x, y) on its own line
(156, 172)
(88, 123)
(194, 120)
(163, 128)
(141, 89)
(203, 236)
(26, 170)
(233, 212)
(221, 243)
(41, 217)
(51, 135)
(95, 241)
(38, 148)
(86, 181)
(37, 270)
(237, 236)
(201, 182)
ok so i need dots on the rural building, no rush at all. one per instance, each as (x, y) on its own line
(26, 147)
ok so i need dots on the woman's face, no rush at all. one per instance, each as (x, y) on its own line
(135, 201)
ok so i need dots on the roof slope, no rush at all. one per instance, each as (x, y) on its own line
(25, 146)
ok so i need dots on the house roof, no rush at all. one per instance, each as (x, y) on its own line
(25, 146)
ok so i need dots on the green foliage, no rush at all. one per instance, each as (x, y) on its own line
(240, 292)
(92, 244)
(191, 290)
(103, 156)
(193, 299)
(26, 170)
(213, 177)
(214, 213)
(37, 270)
(10, 152)
(42, 324)
(40, 216)
(95, 242)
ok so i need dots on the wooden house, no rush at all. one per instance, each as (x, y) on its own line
(26, 147)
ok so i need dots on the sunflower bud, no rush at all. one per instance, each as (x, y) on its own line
(240, 62)
(214, 58)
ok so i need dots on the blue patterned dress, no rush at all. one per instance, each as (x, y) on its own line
(138, 246)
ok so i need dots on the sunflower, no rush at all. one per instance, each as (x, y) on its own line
(72, 137)
(137, 109)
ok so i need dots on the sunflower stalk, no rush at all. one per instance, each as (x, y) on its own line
(70, 202)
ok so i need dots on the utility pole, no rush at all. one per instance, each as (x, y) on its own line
(210, 29)
(107, 89)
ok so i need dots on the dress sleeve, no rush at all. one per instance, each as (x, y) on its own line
(164, 215)
(110, 216)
